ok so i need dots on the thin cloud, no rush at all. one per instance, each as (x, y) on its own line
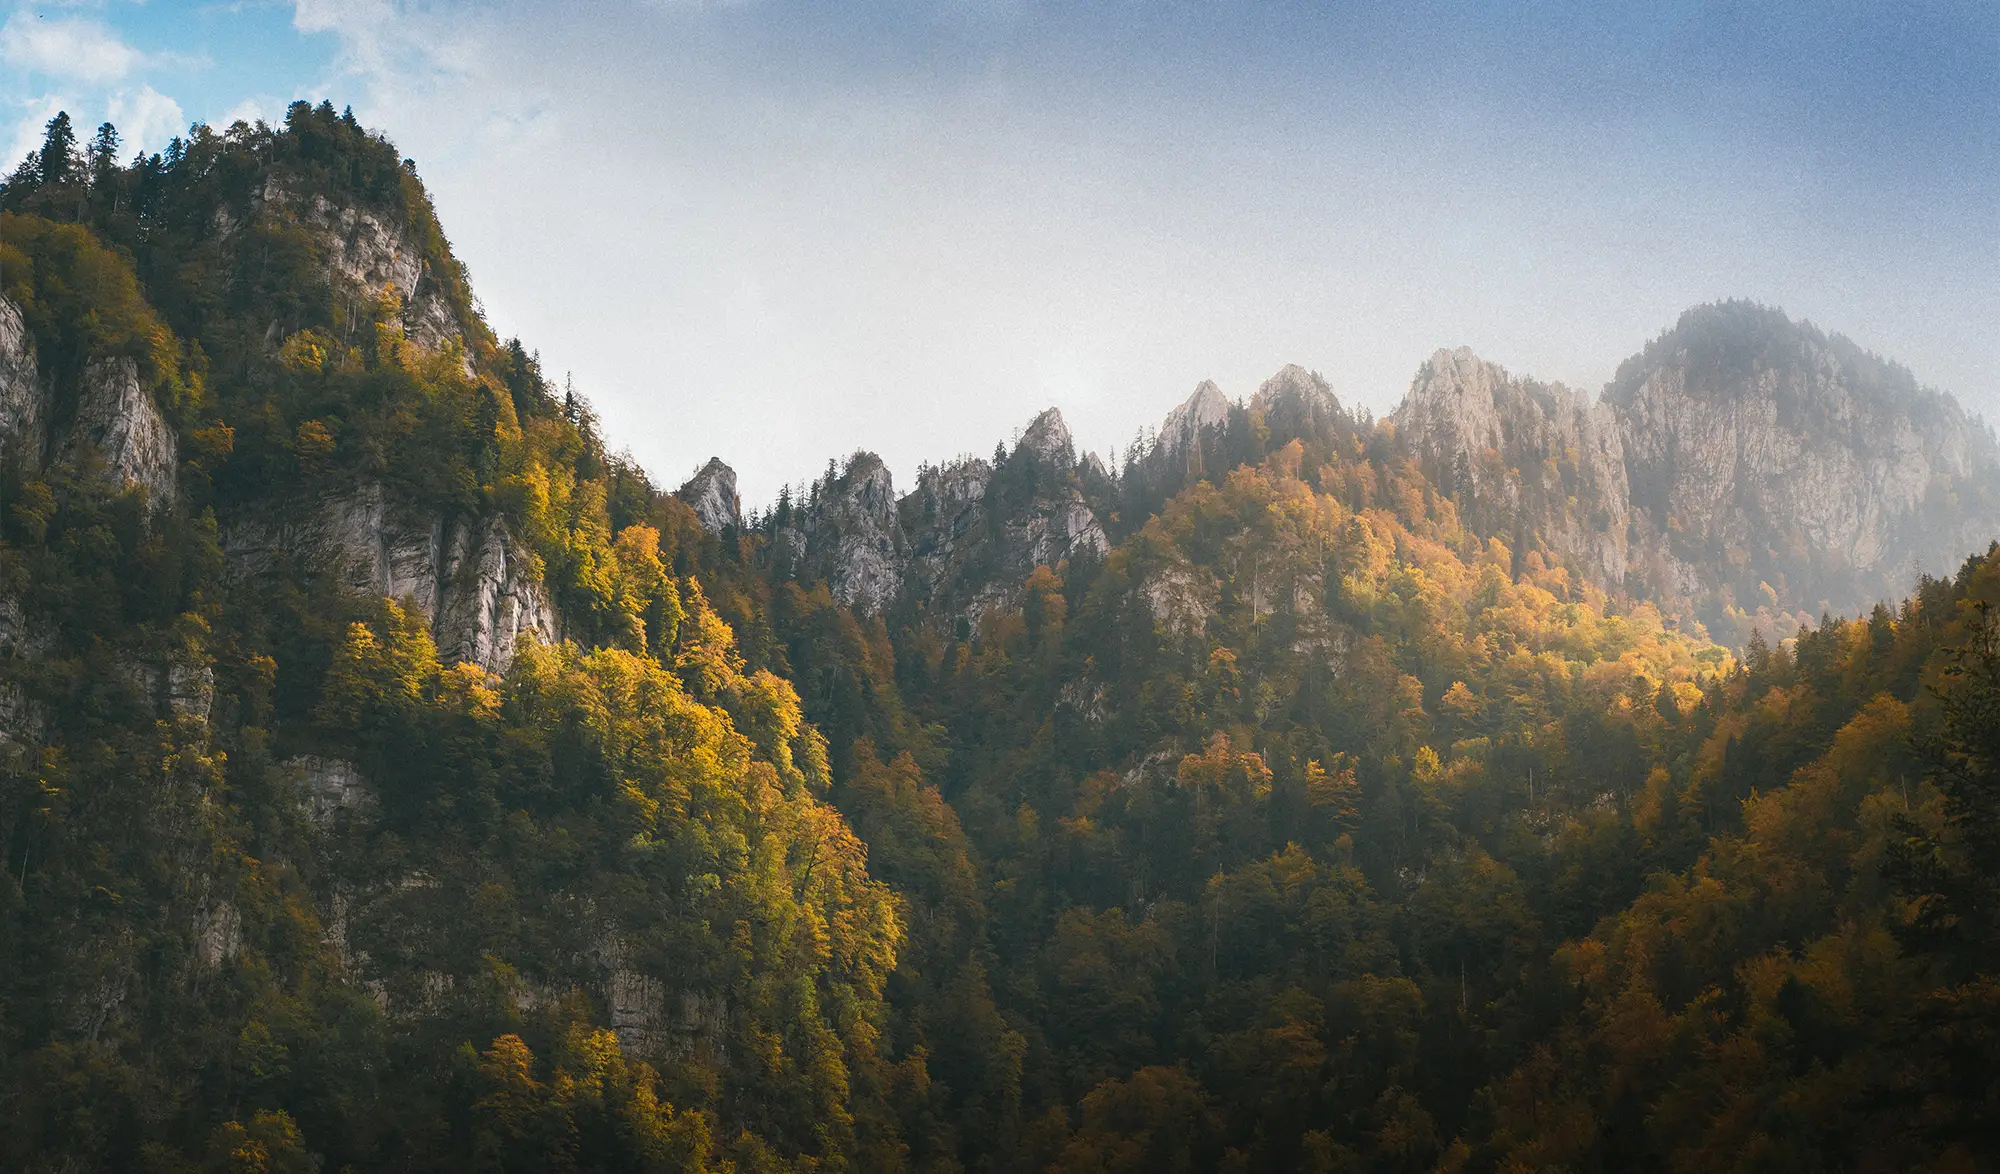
(75, 48)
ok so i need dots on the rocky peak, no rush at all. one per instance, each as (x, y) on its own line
(1297, 391)
(1739, 451)
(850, 535)
(1048, 440)
(1206, 408)
(1298, 404)
(711, 492)
(1763, 451)
(1522, 457)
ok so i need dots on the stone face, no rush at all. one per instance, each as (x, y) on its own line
(117, 431)
(856, 538)
(330, 786)
(943, 546)
(1047, 439)
(1296, 402)
(465, 575)
(117, 423)
(489, 601)
(711, 493)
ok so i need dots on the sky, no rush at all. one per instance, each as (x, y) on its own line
(778, 232)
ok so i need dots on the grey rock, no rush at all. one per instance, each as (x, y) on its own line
(1047, 440)
(1206, 408)
(711, 493)
(117, 424)
(1547, 452)
(856, 538)
(466, 576)
(366, 252)
(218, 933)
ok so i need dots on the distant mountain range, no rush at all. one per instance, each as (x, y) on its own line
(1744, 470)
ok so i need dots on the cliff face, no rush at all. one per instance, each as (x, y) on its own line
(21, 394)
(1532, 462)
(1740, 457)
(365, 252)
(465, 575)
(113, 431)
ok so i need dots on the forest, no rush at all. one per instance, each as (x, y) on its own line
(1308, 827)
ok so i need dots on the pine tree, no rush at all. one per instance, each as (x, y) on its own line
(58, 162)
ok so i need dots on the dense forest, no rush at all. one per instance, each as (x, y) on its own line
(1303, 826)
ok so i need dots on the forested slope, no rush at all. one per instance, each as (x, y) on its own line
(393, 777)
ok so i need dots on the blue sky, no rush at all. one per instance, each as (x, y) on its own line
(776, 232)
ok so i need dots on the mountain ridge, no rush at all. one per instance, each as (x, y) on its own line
(1546, 468)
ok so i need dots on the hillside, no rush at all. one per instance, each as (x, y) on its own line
(394, 778)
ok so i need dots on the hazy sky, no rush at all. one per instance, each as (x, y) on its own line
(776, 232)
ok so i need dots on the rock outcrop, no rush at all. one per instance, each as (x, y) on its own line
(120, 433)
(969, 533)
(1297, 403)
(466, 576)
(850, 535)
(711, 493)
(366, 251)
(114, 431)
(1183, 428)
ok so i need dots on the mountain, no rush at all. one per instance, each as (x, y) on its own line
(393, 777)
(1742, 463)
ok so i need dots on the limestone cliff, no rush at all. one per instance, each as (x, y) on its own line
(1533, 463)
(467, 576)
(849, 535)
(22, 398)
(119, 433)
(364, 251)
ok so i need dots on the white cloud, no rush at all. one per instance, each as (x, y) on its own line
(70, 48)
(146, 118)
(271, 110)
(26, 133)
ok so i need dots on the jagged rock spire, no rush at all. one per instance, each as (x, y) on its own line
(1048, 439)
(711, 493)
